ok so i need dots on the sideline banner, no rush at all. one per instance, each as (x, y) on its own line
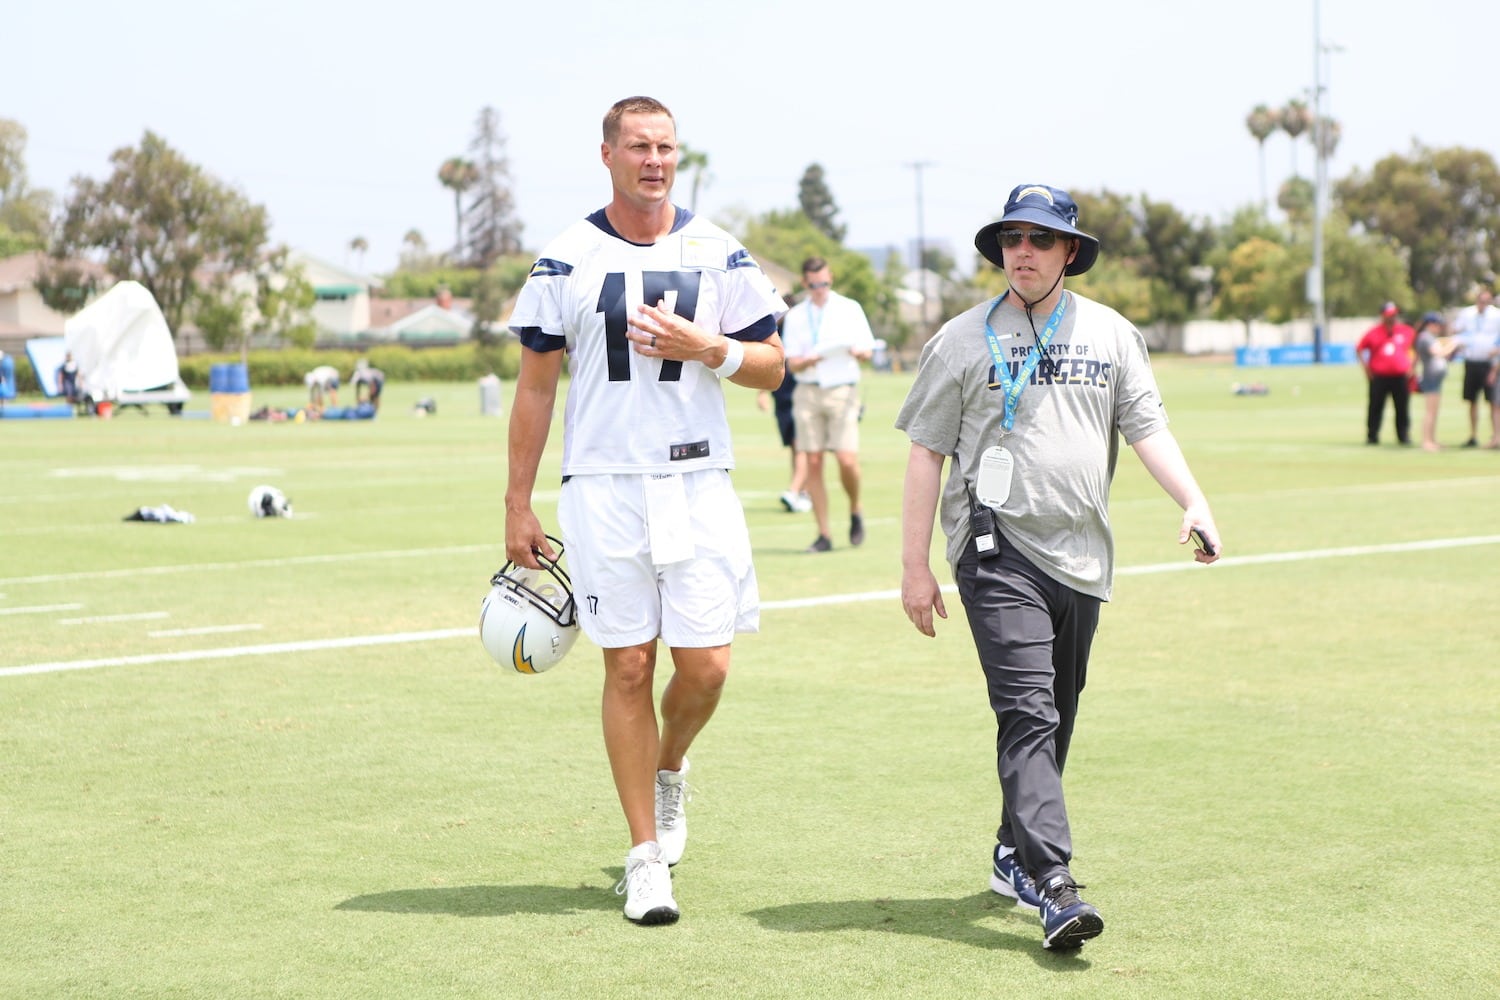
(1292, 354)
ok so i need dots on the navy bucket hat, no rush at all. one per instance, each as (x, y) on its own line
(1043, 206)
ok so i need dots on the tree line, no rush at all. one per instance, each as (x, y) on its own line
(1417, 228)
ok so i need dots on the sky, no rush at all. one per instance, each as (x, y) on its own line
(336, 116)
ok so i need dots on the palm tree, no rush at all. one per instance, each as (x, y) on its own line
(1297, 199)
(415, 248)
(1295, 119)
(697, 162)
(458, 174)
(1261, 122)
(358, 246)
(1328, 135)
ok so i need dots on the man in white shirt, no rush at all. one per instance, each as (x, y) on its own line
(826, 336)
(1478, 330)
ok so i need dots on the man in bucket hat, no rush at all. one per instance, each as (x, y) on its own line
(1029, 393)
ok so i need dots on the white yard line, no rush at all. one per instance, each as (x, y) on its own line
(116, 574)
(173, 633)
(40, 609)
(472, 631)
(135, 616)
(232, 652)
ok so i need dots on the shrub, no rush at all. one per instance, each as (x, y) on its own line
(459, 363)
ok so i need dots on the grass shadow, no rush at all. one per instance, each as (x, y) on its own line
(966, 920)
(486, 900)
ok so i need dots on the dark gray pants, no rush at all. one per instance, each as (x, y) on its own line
(1395, 388)
(1033, 635)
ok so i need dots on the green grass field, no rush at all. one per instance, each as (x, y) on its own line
(271, 759)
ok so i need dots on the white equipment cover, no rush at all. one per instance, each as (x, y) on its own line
(121, 343)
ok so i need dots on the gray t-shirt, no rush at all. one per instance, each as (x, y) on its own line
(1094, 385)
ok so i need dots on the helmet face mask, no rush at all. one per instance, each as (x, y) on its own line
(528, 621)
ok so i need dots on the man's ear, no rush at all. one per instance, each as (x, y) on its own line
(1073, 246)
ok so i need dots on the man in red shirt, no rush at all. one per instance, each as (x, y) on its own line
(1385, 353)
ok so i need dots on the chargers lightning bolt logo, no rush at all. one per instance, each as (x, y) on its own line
(518, 657)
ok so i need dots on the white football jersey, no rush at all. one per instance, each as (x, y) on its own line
(626, 412)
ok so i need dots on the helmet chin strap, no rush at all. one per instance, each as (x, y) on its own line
(1032, 305)
(1031, 319)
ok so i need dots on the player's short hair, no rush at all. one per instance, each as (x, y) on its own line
(631, 106)
(812, 264)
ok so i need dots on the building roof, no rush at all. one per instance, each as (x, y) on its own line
(431, 322)
(388, 312)
(19, 272)
(324, 274)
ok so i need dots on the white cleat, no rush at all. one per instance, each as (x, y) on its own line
(647, 887)
(671, 814)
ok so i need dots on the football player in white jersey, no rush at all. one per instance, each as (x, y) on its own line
(655, 308)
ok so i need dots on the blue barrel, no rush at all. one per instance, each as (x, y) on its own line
(229, 378)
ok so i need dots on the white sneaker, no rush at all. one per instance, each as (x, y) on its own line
(647, 887)
(802, 503)
(672, 794)
(789, 501)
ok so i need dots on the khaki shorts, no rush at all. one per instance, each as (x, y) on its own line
(827, 418)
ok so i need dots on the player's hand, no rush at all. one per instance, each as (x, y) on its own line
(920, 597)
(658, 332)
(524, 537)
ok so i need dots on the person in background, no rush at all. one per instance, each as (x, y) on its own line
(1385, 354)
(368, 383)
(1477, 328)
(322, 387)
(657, 309)
(70, 380)
(1434, 350)
(1037, 388)
(794, 499)
(827, 336)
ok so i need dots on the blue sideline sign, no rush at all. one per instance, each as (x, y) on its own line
(1292, 354)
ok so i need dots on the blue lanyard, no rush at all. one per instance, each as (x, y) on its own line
(1013, 387)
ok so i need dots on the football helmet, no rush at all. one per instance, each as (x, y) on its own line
(268, 501)
(528, 620)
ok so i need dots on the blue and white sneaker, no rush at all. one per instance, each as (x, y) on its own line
(1067, 921)
(1010, 879)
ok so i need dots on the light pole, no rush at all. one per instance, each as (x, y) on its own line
(921, 243)
(1320, 177)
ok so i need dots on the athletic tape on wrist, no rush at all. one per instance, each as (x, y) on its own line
(733, 358)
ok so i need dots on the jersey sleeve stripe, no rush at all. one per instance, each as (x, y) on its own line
(760, 330)
(741, 258)
(545, 267)
(537, 339)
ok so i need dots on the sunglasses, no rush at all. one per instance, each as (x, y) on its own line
(821, 284)
(1042, 239)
